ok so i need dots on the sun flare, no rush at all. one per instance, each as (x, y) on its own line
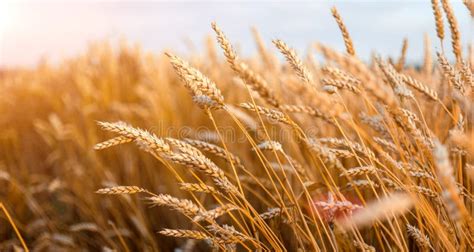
(8, 15)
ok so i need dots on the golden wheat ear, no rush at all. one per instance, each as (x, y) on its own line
(345, 34)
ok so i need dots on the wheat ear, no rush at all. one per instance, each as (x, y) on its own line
(294, 61)
(195, 81)
(121, 190)
(215, 213)
(214, 149)
(438, 19)
(193, 187)
(256, 82)
(345, 34)
(149, 142)
(403, 54)
(112, 142)
(183, 206)
(422, 240)
(182, 233)
(269, 113)
(453, 25)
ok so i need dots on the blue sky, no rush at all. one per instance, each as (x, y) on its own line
(30, 30)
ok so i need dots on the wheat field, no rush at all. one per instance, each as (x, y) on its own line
(122, 150)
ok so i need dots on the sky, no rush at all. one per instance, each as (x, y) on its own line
(33, 30)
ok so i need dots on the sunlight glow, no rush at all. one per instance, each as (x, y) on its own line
(8, 15)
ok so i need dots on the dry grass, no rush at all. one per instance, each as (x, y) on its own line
(302, 155)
